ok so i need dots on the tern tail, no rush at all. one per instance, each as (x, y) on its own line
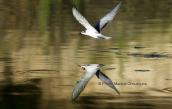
(104, 37)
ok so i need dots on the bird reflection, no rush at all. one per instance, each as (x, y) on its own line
(91, 69)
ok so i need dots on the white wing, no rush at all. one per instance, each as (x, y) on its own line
(107, 19)
(80, 85)
(81, 19)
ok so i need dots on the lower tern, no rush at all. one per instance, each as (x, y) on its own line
(91, 70)
(95, 32)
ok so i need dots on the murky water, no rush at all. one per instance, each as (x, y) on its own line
(39, 53)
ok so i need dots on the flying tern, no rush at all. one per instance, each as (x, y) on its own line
(95, 32)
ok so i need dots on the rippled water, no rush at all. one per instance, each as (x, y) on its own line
(39, 53)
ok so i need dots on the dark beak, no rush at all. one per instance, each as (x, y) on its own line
(81, 67)
(79, 33)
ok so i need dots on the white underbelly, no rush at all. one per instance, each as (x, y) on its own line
(93, 34)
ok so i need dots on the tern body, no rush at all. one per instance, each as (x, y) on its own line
(91, 70)
(95, 32)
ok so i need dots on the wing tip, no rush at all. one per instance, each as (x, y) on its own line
(74, 96)
(74, 7)
(109, 37)
(75, 10)
(118, 93)
(120, 3)
(73, 99)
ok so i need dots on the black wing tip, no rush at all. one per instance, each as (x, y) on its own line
(118, 93)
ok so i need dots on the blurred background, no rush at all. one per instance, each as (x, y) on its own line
(39, 53)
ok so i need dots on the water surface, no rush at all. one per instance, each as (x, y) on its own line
(39, 53)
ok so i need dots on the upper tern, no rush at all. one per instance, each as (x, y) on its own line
(91, 69)
(95, 32)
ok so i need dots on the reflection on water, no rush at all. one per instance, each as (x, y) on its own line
(39, 53)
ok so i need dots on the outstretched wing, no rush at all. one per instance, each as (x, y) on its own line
(81, 19)
(107, 19)
(80, 85)
(106, 80)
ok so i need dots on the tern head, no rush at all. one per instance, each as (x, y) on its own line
(83, 32)
(83, 67)
(92, 66)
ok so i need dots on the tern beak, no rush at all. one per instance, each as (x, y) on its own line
(78, 34)
(79, 65)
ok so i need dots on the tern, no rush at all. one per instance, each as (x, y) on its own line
(91, 70)
(95, 32)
